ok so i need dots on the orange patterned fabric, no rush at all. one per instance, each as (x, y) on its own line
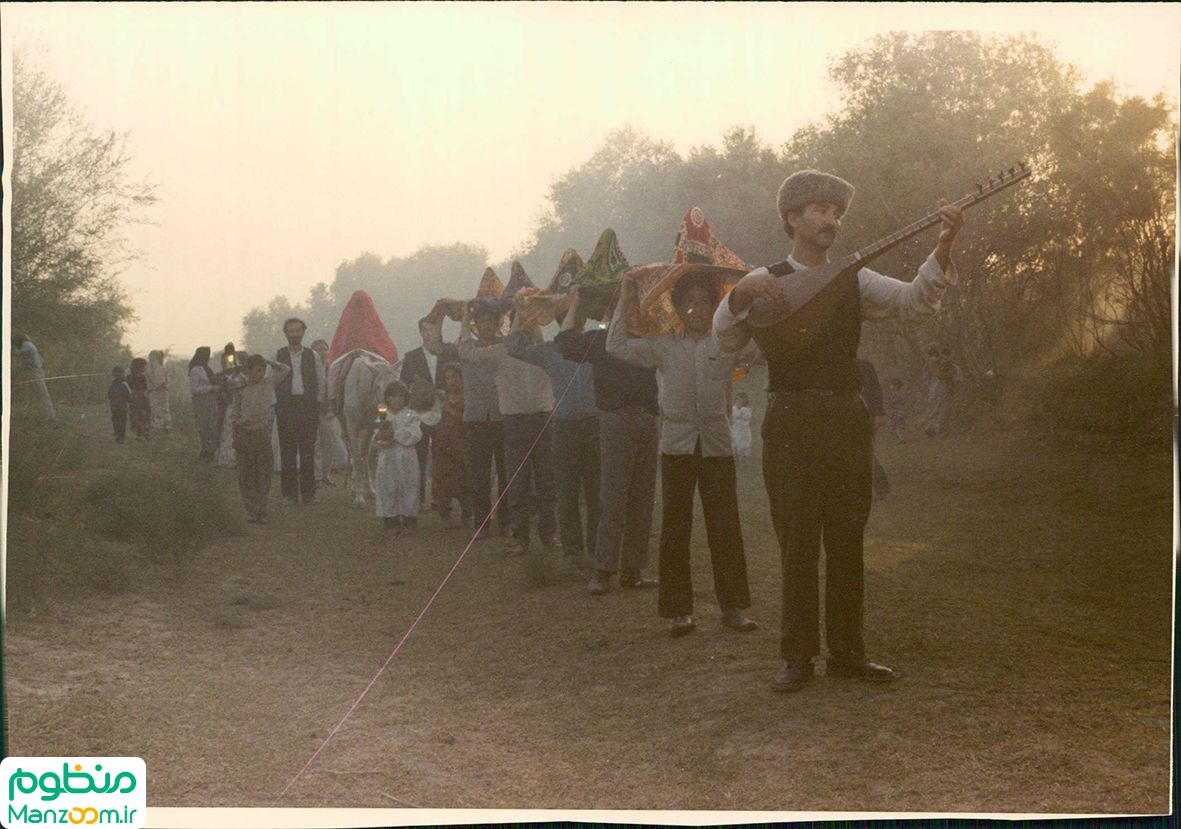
(655, 314)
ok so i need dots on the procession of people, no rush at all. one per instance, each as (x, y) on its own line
(555, 445)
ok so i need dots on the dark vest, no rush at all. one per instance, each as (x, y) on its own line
(307, 369)
(827, 358)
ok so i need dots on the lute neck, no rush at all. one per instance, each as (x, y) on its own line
(859, 258)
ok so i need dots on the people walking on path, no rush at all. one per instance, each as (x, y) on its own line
(250, 419)
(204, 390)
(119, 400)
(140, 410)
(157, 377)
(298, 400)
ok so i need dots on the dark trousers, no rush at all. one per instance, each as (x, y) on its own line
(256, 468)
(119, 420)
(423, 447)
(485, 443)
(629, 444)
(297, 424)
(576, 472)
(527, 456)
(680, 477)
(817, 467)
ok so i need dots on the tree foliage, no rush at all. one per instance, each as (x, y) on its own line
(403, 290)
(1076, 259)
(72, 198)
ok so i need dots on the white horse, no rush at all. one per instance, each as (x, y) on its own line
(363, 384)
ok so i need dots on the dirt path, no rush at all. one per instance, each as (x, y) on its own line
(1023, 594)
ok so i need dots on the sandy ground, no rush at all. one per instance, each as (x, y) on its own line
(1022, 593)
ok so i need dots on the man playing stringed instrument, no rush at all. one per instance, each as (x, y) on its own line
(817, 437)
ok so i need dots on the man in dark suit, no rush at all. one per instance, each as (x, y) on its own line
(298, 398)
(421, 364)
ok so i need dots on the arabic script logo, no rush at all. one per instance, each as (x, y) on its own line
(108, 791)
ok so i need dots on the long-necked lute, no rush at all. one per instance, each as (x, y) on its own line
(809, 296)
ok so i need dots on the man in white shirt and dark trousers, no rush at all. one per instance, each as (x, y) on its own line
(298, 399)
(696, 451)
(817, 436)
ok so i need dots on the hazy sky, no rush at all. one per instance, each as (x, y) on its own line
(286, 138)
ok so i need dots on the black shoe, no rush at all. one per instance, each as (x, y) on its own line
(681, 626)
(737, 620)
(600, 583)
(634, 581)
(859, 669)
(793, 675)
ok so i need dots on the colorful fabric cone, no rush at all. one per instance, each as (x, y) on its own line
(696, 238)
(598, 281)
(490, 285)
(361, 327)
(697, 251)
(568, 268)
(542, 308)
(517, 281)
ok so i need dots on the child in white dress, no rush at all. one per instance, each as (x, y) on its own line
(397, 431)
(740, 415)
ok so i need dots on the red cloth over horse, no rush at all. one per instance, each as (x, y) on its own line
(361, 327)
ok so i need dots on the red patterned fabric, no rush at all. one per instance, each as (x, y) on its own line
(697, 238)
(655, 314)
(361, 327)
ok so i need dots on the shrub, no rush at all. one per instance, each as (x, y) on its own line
(165, 511)
(40, 452)
(1126, 398)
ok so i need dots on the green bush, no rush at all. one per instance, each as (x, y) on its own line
(1128, 398)
(40, 453)
(48, 559)
(165, 511)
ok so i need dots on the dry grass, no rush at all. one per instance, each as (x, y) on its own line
(1022, 592)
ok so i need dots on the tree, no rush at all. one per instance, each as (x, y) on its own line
(403, 290)
(72, 197)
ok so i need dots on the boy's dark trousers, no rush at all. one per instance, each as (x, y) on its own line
(681, 476)
(256, 464)
(119, 420)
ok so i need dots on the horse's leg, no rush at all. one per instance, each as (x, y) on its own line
(359, 467)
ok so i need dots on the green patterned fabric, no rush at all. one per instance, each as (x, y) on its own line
(598, 282)
(606, 266)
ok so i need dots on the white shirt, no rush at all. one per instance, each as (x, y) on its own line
(432, 361)
(296, 373)
(882, 297)
(694, 380)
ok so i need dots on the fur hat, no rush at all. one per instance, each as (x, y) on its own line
(810, 186)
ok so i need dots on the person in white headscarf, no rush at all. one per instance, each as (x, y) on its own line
(158, 392)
